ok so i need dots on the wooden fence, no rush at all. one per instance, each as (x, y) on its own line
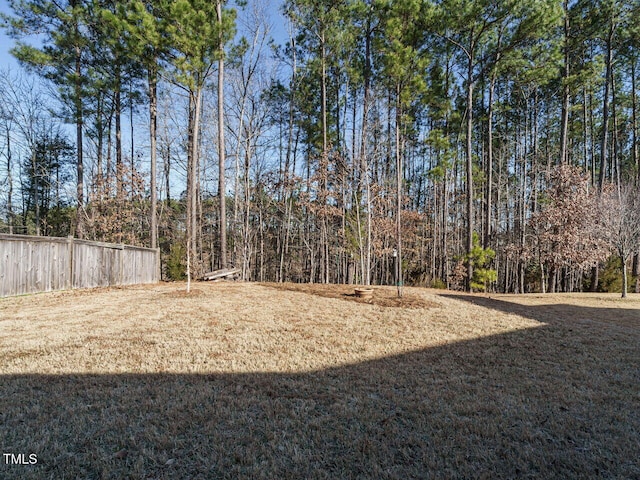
(41, 264)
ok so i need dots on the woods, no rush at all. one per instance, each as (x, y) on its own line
(486, 145)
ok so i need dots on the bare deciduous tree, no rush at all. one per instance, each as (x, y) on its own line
(620, 223)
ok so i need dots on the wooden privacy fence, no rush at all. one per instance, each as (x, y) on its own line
(41, 264)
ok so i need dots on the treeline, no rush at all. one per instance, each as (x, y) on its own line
(487, 144)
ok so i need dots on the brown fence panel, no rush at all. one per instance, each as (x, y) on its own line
(41, 264)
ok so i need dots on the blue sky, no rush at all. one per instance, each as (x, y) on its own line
(6, 60)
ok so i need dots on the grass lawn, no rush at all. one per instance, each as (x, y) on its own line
(297, 381)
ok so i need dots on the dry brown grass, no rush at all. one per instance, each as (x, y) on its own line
(243, 380)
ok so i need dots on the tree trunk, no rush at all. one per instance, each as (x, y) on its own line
(153, 132)
(595, 280)
(585, 135)
(36, 193)
(614, 134)
(195, 100)
(236, 187)
(195, 175)
(167, 174)
(592, 136)
(190, 207)
(79, 126)
(98, 185)
(553, 279)
(9, 184)
(634, 120)
(469, 179)
(399, 276)
(625, 283)
(636, 271)
(605, 108)
(119, 166)
(565, 89)
(324, 237)
(489, 168)
(246, 247)
(221, 148)
(364, 159)
(285, 174)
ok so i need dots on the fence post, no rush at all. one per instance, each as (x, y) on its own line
(158, 266)
(121, 265)
(70, 266)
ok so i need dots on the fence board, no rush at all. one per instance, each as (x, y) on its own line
(40, 264)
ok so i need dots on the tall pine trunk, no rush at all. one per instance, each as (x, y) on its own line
(564, 128)
(221, 148)
(605, 107)
(79, 126)
(119, 165)
(489, 168)
(399, 273)
(469, 169)
(153, 135)
(365, 260)
(634, 120)
(324, 235)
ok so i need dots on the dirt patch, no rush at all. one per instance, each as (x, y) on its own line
(382, 296)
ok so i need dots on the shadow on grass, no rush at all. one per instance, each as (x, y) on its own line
(547, 402)
(556, 314)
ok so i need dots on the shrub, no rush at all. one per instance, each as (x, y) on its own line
(480, 259)
(176, 265)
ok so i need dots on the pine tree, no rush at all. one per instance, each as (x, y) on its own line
(62, 29)
(403, 58)
(197, 33)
